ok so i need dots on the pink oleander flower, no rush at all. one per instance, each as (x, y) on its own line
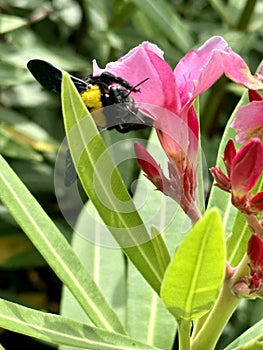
(249, 119)
(243, 170)
(167, 97)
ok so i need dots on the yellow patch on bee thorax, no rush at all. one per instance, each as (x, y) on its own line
(92, 97)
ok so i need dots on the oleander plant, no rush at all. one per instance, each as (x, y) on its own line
(131, 201)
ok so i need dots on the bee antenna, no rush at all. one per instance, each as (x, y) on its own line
(143, 81)
(133, 89)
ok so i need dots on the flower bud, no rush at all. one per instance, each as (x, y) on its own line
(247, 166)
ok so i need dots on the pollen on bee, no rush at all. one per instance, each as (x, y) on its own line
(92, 98)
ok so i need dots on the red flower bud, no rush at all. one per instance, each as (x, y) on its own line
(222, 181)
(229, 154)
(149, 166)
(255, 255)
(247, 166)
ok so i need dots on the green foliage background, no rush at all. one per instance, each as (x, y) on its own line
(70, 33)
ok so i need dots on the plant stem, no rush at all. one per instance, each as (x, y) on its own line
(184, 334)
(216, 321)
(246, 15)
(211, 329)
(254, 225)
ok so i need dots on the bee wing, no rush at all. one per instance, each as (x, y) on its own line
(70, 172)
(50, 77)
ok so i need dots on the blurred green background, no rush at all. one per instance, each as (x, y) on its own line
(70, 33)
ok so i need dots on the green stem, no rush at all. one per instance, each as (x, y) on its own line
(184, 334)
(254, 225)
(221, 9)
(246, 15)
(210, 330)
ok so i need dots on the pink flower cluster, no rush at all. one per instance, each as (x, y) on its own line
(251, 285)
(167, 97)
(243, 170)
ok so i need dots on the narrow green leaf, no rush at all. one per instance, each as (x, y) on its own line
(164, 17)
(148, 320)
(106, 265)
(104, 185)
(193, 278)
(1, 347)
(200, 190)
(129, 298)
(162, 254)
(252, 339)
(237, 242)
(60, 330)
(54, 248)
(157, 210)
(223, 11)
(9, 23)
(11, 147)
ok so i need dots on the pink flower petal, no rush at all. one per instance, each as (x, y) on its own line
(199, 69)
(236, 69)
(146, 61)
(179, 138)
(249, 122)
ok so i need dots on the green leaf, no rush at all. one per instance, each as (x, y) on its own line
(200, 191)
(11, 147)
(238, 240)
(106, 265)
(147, 316)
(164, 17)
(193, 278)
(129, 298)
(60, 330)
(54, 248)
(162, 254)
(9, 23)
(252, 339)
(23, 130)
(104, 185)
(223, 11)
(157, 210)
